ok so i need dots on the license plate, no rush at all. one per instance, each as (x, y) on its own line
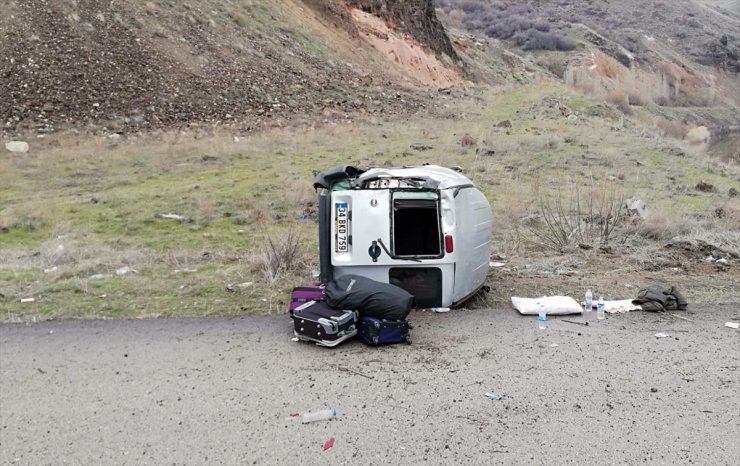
(341, 227)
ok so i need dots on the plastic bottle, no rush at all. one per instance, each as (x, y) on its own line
(322, 415)
(600, 309)
(589, 301)
(542, 316)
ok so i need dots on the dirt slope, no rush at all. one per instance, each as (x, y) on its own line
(117, 66)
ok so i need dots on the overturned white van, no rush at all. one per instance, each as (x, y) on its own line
(426, 229)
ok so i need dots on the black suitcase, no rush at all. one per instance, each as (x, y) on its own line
(376, 332)
(317, 322)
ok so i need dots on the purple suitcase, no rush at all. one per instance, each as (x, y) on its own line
(303, 294)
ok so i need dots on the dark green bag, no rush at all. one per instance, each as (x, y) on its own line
(655, 298)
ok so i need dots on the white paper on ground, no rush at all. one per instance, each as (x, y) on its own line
(622, 305)
(732, 324)
(554, 305)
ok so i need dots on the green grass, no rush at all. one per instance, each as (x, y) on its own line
(101, 202)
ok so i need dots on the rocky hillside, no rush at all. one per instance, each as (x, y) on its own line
(123, 66)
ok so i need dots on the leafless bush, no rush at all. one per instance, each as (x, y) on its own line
(674, 129)
(621, 100)
(553, 62)
(280, 255)
(534, 39)
(578, 219)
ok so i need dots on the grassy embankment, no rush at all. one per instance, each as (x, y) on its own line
(78, 209)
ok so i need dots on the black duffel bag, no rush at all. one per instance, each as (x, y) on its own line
(370, 298)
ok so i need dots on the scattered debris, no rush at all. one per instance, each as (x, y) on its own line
(734, 325)
(323, 415)
(185, 270)
(504, 124)
(554, 345)
(125, 270)
(678, 317)
(496, 264)
(99, 276)
(50, 270)
(654, 390)
(294, 339)
(662, 335)
(347, 369)
(244, 285)
(295, 414)
(733, 192)
(17, 147)
(468, 141)
(440, 310)
(27, 300)
(494, 396)
(485, 151)
(635, 207)
(179, 218)
(705, 187)
(329, 443)
(575, 322)
(420, 147)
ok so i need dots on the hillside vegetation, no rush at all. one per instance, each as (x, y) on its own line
(187, 189)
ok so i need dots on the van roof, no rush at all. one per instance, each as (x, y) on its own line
(446, 177)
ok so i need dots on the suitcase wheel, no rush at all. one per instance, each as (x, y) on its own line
(375, 340)
(408, 339)
(408, 324)
(376, 324)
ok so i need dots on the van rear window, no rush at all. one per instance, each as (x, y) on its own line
(416, 228)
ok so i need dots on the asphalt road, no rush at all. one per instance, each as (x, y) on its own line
(220, 391)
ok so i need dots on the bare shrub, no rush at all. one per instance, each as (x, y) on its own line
(555, 63)
(280, 255)
(607, 66)
(673, 129)
(534, 39)
(621, 100)
(578, 219)
(638, 97)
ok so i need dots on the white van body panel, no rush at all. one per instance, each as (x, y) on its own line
(474, 243)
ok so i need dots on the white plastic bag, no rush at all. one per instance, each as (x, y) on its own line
(554, 305)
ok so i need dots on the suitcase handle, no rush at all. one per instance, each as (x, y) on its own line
(330, 326)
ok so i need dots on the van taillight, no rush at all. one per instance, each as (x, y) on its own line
(449, 246)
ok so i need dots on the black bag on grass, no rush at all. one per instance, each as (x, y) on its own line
(371, 298)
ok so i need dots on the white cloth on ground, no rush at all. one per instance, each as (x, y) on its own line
(619, 306)
(554, 305)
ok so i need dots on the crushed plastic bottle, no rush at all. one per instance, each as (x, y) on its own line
(541, 316)
(323, 415)
(600, 309)
(589, 301)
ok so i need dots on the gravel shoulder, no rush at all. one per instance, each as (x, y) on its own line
(221, 390)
